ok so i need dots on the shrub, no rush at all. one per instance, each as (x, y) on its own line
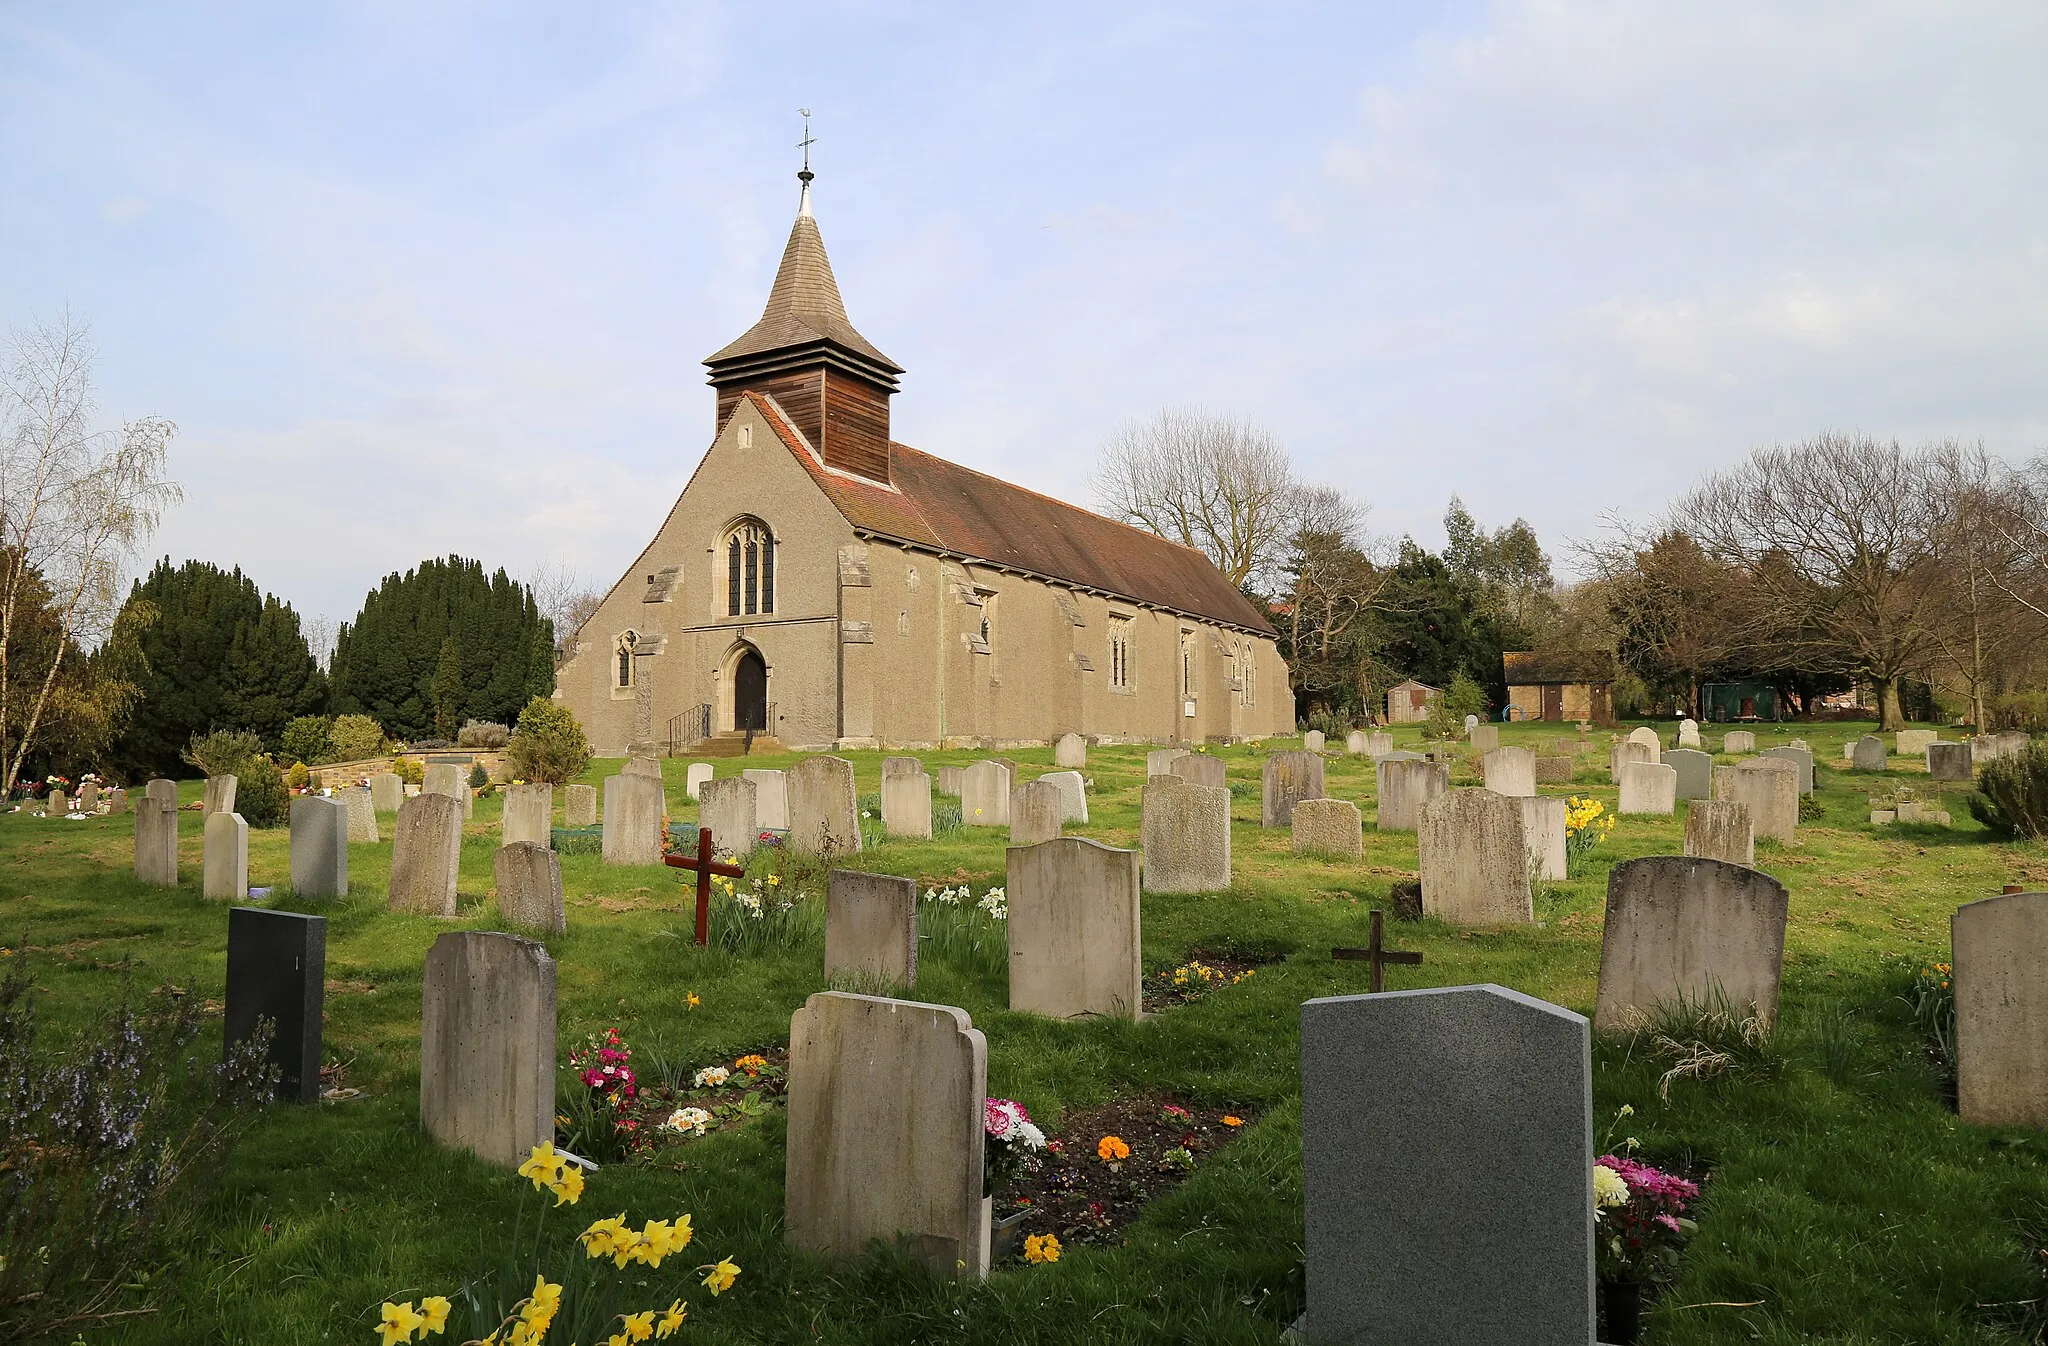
(409, 771)
(479, 779)
(309, 738)
(482, 734)
(548, 745)
(222, 752)
(298, 778)
(261, 797)
(355, 737)
(2012, 794)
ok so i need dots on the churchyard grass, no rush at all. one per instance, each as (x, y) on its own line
(1846, 1203)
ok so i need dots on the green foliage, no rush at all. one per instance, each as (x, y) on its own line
(355, 737)
(478, 777)
(1932, 1001)
(222, 752)
(442, 642)
(260, 794)
(220, 655)
(297, 777)
(409, 770)
(309, 738)
(2012, 794)
(548, 744)
(2025, 709)
(1465, 697)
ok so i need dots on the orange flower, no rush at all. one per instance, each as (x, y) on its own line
(1228, 1120)
(1110, 1149)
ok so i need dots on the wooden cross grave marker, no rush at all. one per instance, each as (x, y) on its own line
(706, 867)
(1377, 954)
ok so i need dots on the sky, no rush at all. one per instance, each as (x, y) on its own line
(419, 278)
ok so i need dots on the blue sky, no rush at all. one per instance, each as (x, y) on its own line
(419, 278)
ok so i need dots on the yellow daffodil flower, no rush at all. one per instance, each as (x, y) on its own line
(672, 1321)
(694, 1001)
(722, 1276)
(434, 1308)
(639, 1326)
(399, 1323)
(653, 1244)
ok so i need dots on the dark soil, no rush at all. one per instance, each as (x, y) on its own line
(740, 1099)
(1164, 989)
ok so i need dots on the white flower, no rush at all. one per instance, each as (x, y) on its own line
(1609, 1190)
(688, 1120)
(1032, 1135)
(711, 1076)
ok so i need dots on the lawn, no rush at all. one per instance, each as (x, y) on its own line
(1846, 1204)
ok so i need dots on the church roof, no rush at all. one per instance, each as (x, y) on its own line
(804, 305)
(949, 508)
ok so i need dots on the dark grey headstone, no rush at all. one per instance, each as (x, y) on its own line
(1949, 761)
(277, 970)
(1695, 772)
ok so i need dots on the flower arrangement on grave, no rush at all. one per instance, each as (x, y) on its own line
(1011, 1143)
(1587, 823)
(601, 1064)
(1639, 1218)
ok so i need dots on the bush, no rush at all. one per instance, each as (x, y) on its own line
(355, 737)
(2026, 710)
(222, 752)
(261, 797)
(298, 778)
(548, 745)
(309, 738)
(409, 771)
(482, 734)
(479, 779)
(2012, 794)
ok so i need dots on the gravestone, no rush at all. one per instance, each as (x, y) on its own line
(1800, 757)
(579, 806)
(319, 842)
(824, 811)
(529, 879)
(1159, 762)
(117, 800)
(632, 820)
(1312, 741)
(529, 815)
(950, 778)
(1474, 859)
(156, 842)
(901, 766)
(1543, 831)
(907, 806)
(1011, 765)
(163, 790)
(871, 927)
(1684, 930)
(277, 970)
(387, 791)
(1738, 740)
(728, 810)
(362, 813)
(1648, 788)
(641, 764)
(56, 804)
(1379, 744)
(1718, 829)
(446, 778)
(226, 871)
(771, 798)
(426, 855)
(1695, 772)
(1471, 723)
(694, 778)
(886, 1109)
(1073, 929)
(1647, 736)
(1184, 829)
(1485, 737)
(1354, 743)
(1328, 827)
(1689, 733)
(219, 796)
(1035, 811)
(1073, 794)
(1625, 752)
(1770, 787)
(89, 798)
(1071, 751)
(1913, 742)
(2001, 999)
(1555, 770)
(1510, 771)
(487, 1042)
(1949, 761)
(1867, 753)
(1406, 786)
(1289, 778)
(1849, 751)
(1447, 1154)
(1200, 769)
(985, 795)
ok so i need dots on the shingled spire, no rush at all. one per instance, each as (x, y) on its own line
(833, 384)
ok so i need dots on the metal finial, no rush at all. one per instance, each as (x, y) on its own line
(805, 144)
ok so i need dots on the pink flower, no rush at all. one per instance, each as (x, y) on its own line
(1001, 1116)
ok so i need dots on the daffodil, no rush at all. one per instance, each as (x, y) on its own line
(694, 1001)
(722, 1276)
(400, 1322)
(672, 1321)
(568, 1188)
(639, 1326)
(434, 1308)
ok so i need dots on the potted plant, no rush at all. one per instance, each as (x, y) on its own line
(1010, 1149)
(1639, 1226)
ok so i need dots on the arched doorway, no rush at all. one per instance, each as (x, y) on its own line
(750, 692)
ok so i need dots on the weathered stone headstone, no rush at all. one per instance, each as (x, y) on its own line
(1510, 771)
(1913, 742)
(1406, 786)
(1289, 778)
(1485, 737)
(1684, 930)
(1648, 788)
(156, 842)
(1312, 741)
(487, 1042)
(632, 820)
(1159, 762)
(885, 1135)
(117, 800)
(1647, 736)
(446, 778)
(2001, 990)
(319, 844)
(1555, 770)
(907, 806)
(1543, 831)
(1770, 787)
(1070, 751)
(1738, 740)
(362, 813)
(1328, 827)
(220, 795)
(1447, 1154)
(1379, 744)
(871, 927)
(165, 791)
(728, 809)
(1474, 859)
(277, 971)
(1625, 752)
(1184, 830)
(1035, 812)
(641, 764)
(226, 857)
(1354, 743)
(950, 779)
(824, 811)
(1718, 829)
(1949, 761)
(694, 778)
(1200, 769)
(426, 855)
(985, 795)
(529, 879)
(901, 766)
(1471, 723)
(56, 804)
(88, 798)
(1695, 772)
(1868, 753)
(1073, 929)
(1073, 794)
(529, 815)
(1849, 751)
(1688, 733)
(1800, 758)
(387, 791)
(579, 806)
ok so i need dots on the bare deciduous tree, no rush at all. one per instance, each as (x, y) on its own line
(562, 598)
(75, 503)
(1222, 485)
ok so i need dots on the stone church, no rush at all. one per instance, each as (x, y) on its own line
(822, 586)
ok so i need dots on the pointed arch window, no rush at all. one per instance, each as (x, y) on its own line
(749, 569)
(622, 675)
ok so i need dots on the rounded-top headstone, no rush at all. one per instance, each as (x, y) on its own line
(1070, 751)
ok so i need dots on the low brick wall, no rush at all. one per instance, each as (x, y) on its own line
(332, 773)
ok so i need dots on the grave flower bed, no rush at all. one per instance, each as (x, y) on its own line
(658, 1114)
(1203, 974)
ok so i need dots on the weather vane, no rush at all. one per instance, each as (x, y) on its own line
(805, 145)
